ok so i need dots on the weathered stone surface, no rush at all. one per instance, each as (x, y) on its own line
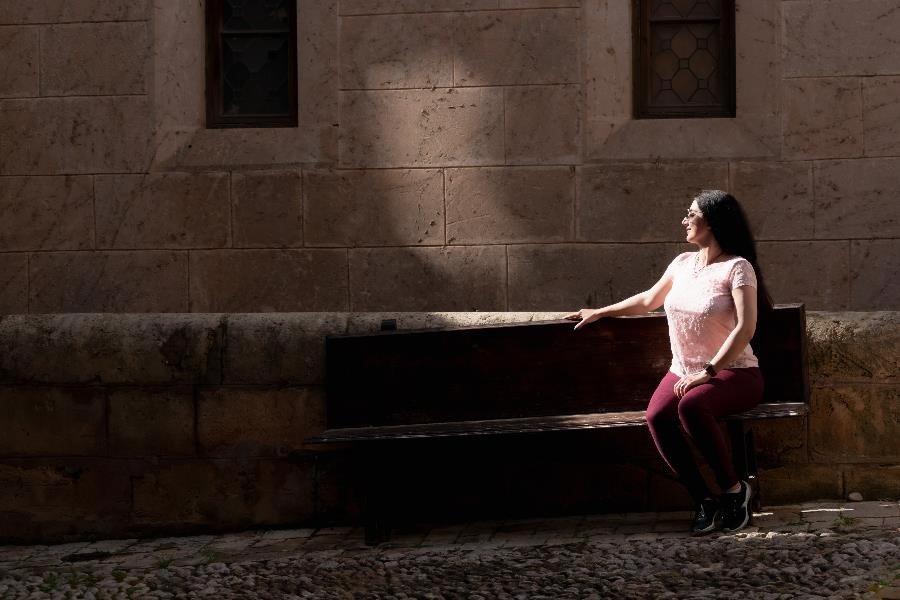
(539, 3)
(368, 322)
(52, 421)
(420, 279)
(152, 349)
(837, 37)
(776, 197)
(19, 71)
(421, 128)
(268, 280)
(857, 198)
(75, 135)
(148, 281)
(510, 205)
(245, 422)
(881, 115)
(854, 347)
(568, 277)
(78, 59)
(151, 422)
(228, 493)
(542, 124)
(517, 47)
(374, 208)
(162, 210)
(13, 283)
(823, 280)
(874, 284)
(822, 118)
(46, 213)
(397, 51)
(881, 481)
(780, 442)
(64, 11)
(283, 349)
(849, 424)
(641, 202)
(368, 7)
(266, 209)
(798, 483)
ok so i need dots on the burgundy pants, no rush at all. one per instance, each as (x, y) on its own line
(695, 416)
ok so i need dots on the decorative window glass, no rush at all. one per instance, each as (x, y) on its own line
(251, 63)
(684, 58)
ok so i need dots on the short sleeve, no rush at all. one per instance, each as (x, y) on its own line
(743, 274)
(679, 260)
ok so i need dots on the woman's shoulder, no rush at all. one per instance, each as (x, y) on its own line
(680, 260)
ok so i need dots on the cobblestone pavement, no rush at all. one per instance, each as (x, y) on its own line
(814, 550)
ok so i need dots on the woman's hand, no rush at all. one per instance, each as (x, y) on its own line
(585, 316)
(690, 380)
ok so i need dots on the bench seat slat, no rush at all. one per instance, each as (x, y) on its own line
(527, 425)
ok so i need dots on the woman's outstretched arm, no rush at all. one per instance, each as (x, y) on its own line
(641, 303)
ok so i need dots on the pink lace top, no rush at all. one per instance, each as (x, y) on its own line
(701, 313)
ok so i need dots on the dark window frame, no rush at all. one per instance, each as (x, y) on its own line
(215, 100)
(642, 68)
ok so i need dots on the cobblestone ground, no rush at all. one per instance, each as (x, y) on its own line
(807, 551)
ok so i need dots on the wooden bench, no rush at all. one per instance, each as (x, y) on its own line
(528, 377)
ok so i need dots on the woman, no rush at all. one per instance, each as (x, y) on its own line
(711, 299)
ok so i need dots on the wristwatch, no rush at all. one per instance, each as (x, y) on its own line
(709, 369)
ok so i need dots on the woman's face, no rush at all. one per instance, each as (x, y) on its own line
(696, 229)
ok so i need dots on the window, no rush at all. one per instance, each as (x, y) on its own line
(684, 59)
(251, 63)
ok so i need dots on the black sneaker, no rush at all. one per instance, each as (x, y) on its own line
(736, 508)
(705, 516)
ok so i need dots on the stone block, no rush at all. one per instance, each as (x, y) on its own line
(567, 277)
(369, 322)
(374, 208)
(134, 349)
(370, 7)
(822, 118)
(46, 213)
(780, 442)
(776, 197)
(510, 205)
(542, 124)
(873, 482)
(268, 280)
(282, 349)
(428, 279)
(13, 283)
(66, 11)
(836, 37)
(540, 3)
(151, 422)
(19, 74)
(162, 210)
(397, 51)
(881, 116)
(76, 59)
(517, 48)
(857, 198)
(147, 281)
(800, 483)
(855, 423)
(75, 135)
(422, 128)
(247, 422)
(641, 202)
(52, 421)
(822, 284)
(873, 281)
(854, 347)
(266, 209)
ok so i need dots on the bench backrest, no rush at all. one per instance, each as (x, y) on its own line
(529, 369)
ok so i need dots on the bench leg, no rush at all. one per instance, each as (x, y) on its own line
(743, 454)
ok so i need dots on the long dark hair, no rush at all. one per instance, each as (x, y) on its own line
(729, 225)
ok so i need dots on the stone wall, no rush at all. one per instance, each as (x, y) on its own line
(451, 155)
(121, 425)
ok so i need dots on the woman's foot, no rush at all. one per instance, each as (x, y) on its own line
(736, 508)
(705, 516)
